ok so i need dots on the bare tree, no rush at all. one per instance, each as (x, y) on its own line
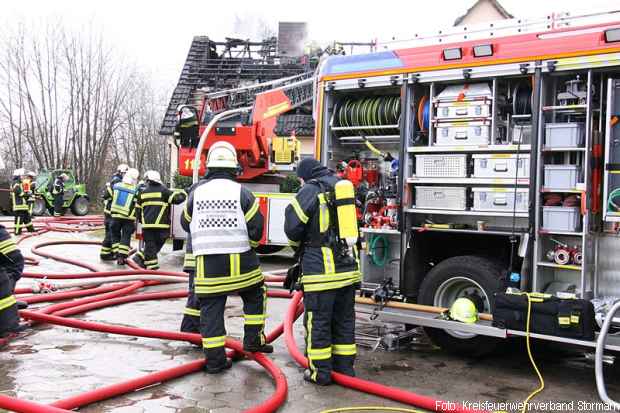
(67, 100)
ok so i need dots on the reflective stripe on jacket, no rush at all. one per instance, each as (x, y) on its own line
(223, 273)
(154, 203)
(307, 221)
(19, 198)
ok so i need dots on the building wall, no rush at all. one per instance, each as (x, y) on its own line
(483, 11)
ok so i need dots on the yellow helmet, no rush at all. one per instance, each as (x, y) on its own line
(222, 155)
(464, 310)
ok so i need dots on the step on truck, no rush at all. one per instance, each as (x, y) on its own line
(484, 158)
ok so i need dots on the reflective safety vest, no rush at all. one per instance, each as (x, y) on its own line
(218, 222)
(124, 201)
(19, 198)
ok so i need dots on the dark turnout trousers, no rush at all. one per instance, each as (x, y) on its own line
(212, 326)
(329, 320)
(9, 318)
(122, 230)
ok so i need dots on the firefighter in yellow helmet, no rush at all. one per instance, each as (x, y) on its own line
(321, 223)
(225, 224)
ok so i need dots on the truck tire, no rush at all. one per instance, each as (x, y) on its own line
(79, 206)
(269, 249)
(465, 276)
(40, 207)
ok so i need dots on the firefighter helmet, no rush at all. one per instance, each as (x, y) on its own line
(31, 174)
(464, 310)
(122, 168)
(152, 176)
(64, 177)
(19, 172)
(131, 176)
(222, 155)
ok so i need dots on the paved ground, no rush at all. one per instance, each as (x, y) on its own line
(55, 362)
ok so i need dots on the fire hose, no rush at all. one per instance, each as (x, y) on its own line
(126, 291)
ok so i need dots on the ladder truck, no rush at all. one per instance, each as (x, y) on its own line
(265, 156)
(487, 157)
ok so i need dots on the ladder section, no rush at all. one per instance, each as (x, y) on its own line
(564, 248)
(245, 96)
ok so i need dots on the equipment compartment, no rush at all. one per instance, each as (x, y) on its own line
(439, 166)
(463, 133)
(500, 199)
(501, 166)
(441, 197)
(564, 135)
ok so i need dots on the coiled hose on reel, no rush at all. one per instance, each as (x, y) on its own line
(367, 111)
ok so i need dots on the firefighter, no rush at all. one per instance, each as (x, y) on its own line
(153, 202)
(58, 192)
(31, 177)
(191, 314)
(11, 267)
(329, 271)
(186, 129)
(106, 252)
(225, 225)
(20, 192)
(123, 211)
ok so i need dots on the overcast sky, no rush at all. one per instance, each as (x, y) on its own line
(157, 34)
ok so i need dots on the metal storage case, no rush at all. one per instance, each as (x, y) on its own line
(501, 199)
(455, 110)
(441, 197)
(453, 166)
(501, 166)
(562, 176)
(564, 135)
(558, 218)
(463, 133)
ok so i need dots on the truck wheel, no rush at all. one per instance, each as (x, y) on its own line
(39, 208)
(80, 206)
(177, 244)
(473, 277)
(269, 249)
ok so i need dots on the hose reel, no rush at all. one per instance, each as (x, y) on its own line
(367, 111)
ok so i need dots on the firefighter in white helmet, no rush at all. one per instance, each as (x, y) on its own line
(106, 252)
(58, 192)
(321, 223)
(20, 193)
(123, 211)
(225, 225)
(153, 203)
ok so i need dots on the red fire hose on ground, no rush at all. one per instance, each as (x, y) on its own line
(88, 299)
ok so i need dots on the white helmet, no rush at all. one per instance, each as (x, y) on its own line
(131, 176)
(31, 174)
(19, 172)
(122, 168)
(222, 155)
(152, 176)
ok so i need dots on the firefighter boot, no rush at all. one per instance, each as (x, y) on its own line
(218, 369)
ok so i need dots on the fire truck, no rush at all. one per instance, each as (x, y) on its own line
(485, 157)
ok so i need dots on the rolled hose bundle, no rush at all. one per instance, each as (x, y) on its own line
(367, 111)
